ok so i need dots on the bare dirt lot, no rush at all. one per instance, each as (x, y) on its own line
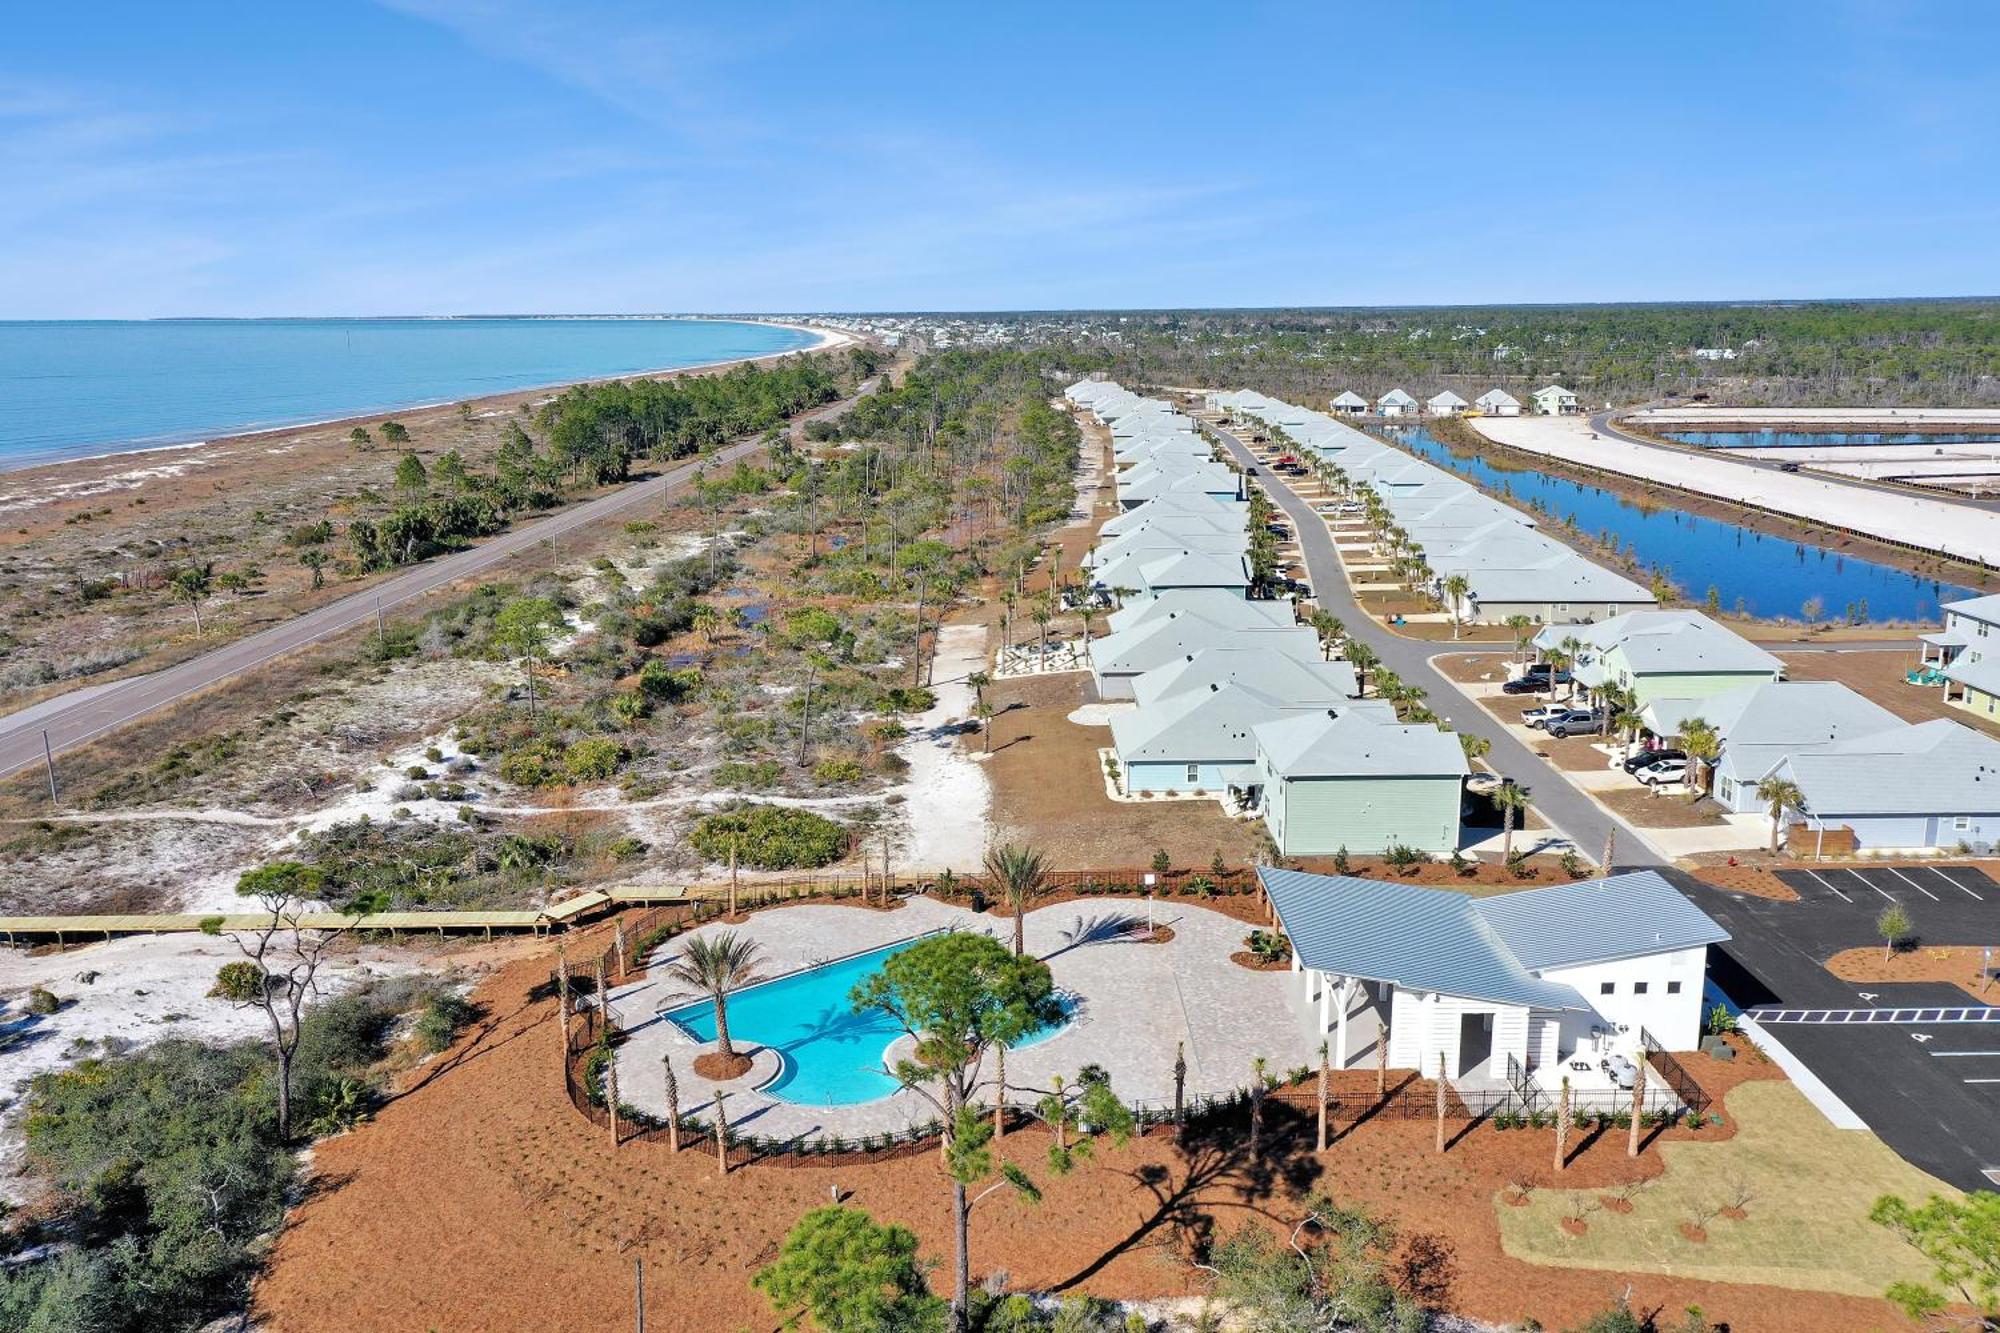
(1877, 673)
(529, 1218)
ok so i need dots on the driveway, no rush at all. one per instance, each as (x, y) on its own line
(82, 715)
(1919, 1063)
(1574, 814)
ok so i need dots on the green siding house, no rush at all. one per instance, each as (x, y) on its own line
(1662, 655)
(1354, 780)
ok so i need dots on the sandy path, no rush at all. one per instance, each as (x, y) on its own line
(946, 795)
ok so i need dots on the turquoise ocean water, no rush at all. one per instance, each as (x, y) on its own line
(74, 388)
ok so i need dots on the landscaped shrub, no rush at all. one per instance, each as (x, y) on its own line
(1270, 946)
(1403, 857)
(771, 837)
(593, 759)
(43, 1001)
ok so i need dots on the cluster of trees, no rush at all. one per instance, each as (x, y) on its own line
(602, 428)
(1890, 352)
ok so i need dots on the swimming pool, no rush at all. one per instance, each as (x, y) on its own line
(831, 1056)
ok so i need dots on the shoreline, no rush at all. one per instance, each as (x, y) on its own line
(827, 340)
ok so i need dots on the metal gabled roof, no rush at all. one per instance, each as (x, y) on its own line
(1597, 921)
(1418, 938)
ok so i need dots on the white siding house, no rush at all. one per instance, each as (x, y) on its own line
(1445, 404)
(1555, 401)
(1349, 403)
(1543, 985)
(1396, 403)
(1498, 403)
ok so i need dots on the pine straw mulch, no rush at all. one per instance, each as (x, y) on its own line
(1958, 964)
(527, 1212)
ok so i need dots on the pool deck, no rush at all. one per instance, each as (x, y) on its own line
(1136, 1001)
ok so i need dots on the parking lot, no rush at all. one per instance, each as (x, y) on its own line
(1881, 885)
(1918, 1062)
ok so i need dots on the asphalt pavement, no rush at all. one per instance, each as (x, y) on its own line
(83, 715)
(1583, 820)
(1924, 1079)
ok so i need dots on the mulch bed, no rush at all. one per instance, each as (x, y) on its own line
(484, 1156)
(1245, 959)
(719, 1068)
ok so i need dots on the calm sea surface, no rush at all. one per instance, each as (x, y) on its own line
(72, 388)
(1760, 573)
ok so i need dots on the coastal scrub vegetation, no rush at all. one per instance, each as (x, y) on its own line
(166, 1170)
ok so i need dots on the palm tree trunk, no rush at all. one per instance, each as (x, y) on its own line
(1507, 834)
(1020, 914)
(722, 1043)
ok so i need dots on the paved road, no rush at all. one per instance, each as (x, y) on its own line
(1601, 423)
(85, 714)
(1930, 1091)
(1561, 804)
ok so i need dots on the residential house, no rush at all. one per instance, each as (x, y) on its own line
(1296, 680)
(1673, 654)
(1761, 725)
(1117, 659)
(1223, 608)
(1338, 778)
(1966, 652)
(1498, 403)
(1445, 404)
(1544, 985)
(1555, 401)
(1396, 403)
(1200, 740)
(1348, 404)
(1913, 787)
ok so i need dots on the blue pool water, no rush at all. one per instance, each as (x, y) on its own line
(1822, 439)
(1762, 574)
(75, 387)
(832, 1055)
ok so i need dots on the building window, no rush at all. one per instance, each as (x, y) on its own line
(1607, 988)
(1673, 988)
(1639, 987)
(1961, 824)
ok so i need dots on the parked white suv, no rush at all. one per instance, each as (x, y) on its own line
(1666, 770)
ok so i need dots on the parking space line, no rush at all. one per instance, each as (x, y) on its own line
(1981, 1080)
(1912, 883)
(1823, 880)
(1945, 1055)
(1869, 882)
(1954, 883)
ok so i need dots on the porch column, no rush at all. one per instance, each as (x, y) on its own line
(1325, 1003)
(1340, 1031)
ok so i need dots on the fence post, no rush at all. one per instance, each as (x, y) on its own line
(603, 1000)
(1638, 1103)
(732, 874)
(639, 1292)
(1382, 1058)
(618, 935)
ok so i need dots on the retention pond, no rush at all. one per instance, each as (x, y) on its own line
(1737, 568)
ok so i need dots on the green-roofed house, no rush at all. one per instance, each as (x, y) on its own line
(1347, 778)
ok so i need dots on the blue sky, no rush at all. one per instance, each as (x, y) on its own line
(449, 156)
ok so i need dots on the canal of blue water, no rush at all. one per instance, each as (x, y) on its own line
(1821, 439)
(1750, 571)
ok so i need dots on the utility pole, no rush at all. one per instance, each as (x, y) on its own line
(381, 630)
(49, 762)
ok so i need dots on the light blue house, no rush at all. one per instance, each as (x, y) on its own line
(1359, 779)
(1916, 787)
(1201, 740)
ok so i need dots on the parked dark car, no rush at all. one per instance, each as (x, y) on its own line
(1527, 685)
(1788, 467)
(1647, 757)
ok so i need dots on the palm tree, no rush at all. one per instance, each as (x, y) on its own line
(717, 966)
(1524, 634)
(1780, 794)
(1362, 658)
(1513, 799)
(1456, 588)
(1475, 747)
(1704, 746)
(1020, 873)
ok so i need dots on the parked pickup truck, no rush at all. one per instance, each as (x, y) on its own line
(1578, 722)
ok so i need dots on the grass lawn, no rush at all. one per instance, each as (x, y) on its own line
(1807, 1227)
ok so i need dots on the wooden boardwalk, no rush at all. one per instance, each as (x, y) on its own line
(570, 911)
